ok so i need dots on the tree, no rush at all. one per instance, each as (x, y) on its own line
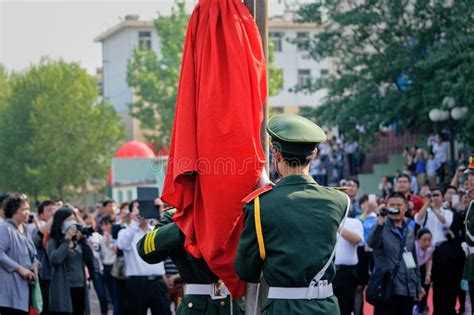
(154, 78)
(275, 75)
(56, 135)
(4, 87)
(396, 60)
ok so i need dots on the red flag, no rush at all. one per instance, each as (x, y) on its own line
(216, 155)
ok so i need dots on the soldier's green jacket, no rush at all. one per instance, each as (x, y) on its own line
(299, 221)
(168, 241)
(469, 264)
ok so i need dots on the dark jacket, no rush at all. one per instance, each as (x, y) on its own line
(44, 271)
(59, 291)
(385, 241)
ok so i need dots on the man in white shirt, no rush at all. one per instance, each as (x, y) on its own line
(345, 281)
(146, 288)
(433, 217)
(438, 220)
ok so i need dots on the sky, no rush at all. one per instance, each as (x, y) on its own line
(66, 29)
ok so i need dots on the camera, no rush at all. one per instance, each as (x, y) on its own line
(385, 211)
(31, 218)
(85, 230)
(428, 195)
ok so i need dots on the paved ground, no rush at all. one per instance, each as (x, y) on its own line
(95, 308)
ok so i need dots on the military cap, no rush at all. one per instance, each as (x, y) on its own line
(294, 134)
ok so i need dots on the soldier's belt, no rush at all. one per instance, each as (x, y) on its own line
(322, 290)
(214, 290)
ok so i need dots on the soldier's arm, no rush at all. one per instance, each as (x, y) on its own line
(156, 246)
(248, 263)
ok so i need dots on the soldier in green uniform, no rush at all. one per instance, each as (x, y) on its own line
(290, 230)
(468, 246)
(204, 292)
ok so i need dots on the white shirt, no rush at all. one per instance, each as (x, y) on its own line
(127, 241)
(107, 254)
(440, 151)
(431, 167)
(346, 252)
(435, 225)
(94, 242)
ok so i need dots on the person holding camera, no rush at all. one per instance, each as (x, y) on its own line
(68, 254)
(17, 257)
(438, 220)
(145, 287)
(393, 244)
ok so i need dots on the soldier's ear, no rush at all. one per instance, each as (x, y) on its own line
(276, 154)
(310, 158)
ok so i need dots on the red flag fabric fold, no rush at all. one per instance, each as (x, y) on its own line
(216, 156)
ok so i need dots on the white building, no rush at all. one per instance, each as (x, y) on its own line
(297, 69)
(119, 42)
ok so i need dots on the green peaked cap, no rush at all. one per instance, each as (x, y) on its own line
(295, 129)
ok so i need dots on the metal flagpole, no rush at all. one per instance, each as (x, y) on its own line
(256, 294)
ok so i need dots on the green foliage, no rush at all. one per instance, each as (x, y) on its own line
(155, 78)
(275, 75)
(4, 87)
(56, 136)
(373, 42)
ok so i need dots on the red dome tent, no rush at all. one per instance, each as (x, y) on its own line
(132, 149)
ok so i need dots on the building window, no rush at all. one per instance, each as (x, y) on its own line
(277, 38)
(129, 195)
(323, 80)
(301, 39)
(120, 196)
(304, 77)
(144, 40)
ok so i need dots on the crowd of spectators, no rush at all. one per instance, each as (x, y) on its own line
(66, 252)
(413, 227)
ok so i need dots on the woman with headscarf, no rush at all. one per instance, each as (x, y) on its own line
(68, 254)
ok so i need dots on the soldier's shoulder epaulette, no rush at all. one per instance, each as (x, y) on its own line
(257, 192)
(341, 188)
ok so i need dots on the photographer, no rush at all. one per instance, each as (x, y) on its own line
(393, 243)
(438, 220)
(68, 254)
(145, 285)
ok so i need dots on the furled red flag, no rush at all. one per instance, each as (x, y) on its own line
(216, 156)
